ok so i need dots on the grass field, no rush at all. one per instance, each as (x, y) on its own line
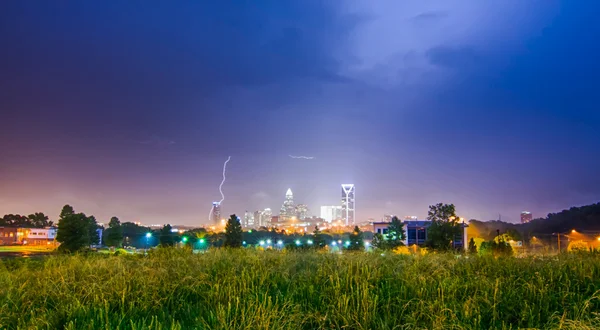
(26, 248)
(175, 289)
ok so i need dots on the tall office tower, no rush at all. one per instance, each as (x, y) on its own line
(248, 220)
(348, 210)
(302, 211)
(267, 215)
(331, 213)
(288, 209)
(215, 214)
(526, 217)
(258, 221)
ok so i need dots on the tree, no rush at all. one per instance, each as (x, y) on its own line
(166, 236)
(393, 238)
(66, 210)
(472, 246)
(233, 232)
(497, 249)
(113, 236)
(444, 227)
(395, 234)
(73, 230)
(92, 230)
(356, 240)
(379, 242)
(318, 238)
(39, 220)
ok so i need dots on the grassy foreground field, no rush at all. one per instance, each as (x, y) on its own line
(174, 289)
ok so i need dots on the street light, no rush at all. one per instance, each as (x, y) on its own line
(279, 242)
(269, 241)
(309, 242)
(148, 235)
(298, 242)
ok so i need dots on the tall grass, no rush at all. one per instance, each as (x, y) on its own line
(243, 289)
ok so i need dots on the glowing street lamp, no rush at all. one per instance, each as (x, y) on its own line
(298, 242)
(261, 243)
(148, 235)
(309, 242)
(333, 243)
(269, 241)
(279, 242)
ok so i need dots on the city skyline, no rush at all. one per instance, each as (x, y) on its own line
(130, 110)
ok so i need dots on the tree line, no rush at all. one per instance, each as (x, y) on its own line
(78, 231)
(34, 220)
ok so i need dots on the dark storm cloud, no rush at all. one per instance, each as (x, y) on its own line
(533, 107)
(208, 44)
(419, 97)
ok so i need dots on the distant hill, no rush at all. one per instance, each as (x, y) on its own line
(584, 219)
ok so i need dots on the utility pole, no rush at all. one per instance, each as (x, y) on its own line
(558, 234)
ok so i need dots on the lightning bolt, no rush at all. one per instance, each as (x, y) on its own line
(301, 157)
(220, 189)
(222, 182)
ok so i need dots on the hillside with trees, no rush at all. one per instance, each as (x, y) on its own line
(584, 219)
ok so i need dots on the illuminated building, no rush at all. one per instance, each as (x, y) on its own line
(248, 220)
(416, 232)
(263, 218)
(348, 210)
(331, 213)
(388, 217)
(288, 210)
(267, 216)
(302, 211)
(526, 217)
(215, 214)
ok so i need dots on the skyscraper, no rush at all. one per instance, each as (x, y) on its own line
(348, 211)
(302, 211)
(331, 213)
(526, 217)
(263, 218)
(215, 214)
(248, 220)
(288, 209)
(267, 214)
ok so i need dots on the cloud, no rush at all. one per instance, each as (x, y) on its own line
(302, 157)
(429, 16)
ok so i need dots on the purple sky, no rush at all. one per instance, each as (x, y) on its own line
(130, 108)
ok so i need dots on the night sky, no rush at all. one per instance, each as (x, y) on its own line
(130, 108)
